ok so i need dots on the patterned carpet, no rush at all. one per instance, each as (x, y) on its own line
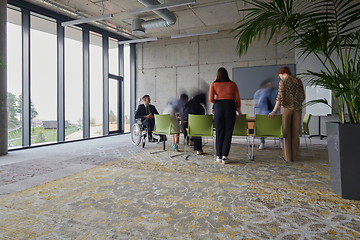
(152, 196)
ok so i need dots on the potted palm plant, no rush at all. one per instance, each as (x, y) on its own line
(330, 31)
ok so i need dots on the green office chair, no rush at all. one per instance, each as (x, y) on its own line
(163, 127)
(200, 126)
(266, 127)
(241, 129)
(305, 130)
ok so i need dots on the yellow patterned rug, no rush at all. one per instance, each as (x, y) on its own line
(152, 196)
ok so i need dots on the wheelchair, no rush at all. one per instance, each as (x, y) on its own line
(138, 133)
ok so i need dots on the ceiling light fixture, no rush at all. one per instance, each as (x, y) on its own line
(161, 6)
(139, 40)
(193, 34)
(86, 20)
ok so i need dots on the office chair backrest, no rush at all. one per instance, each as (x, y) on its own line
(266, 127)
(241, 126)
(306, 121)
(162, 124)
(200, 125)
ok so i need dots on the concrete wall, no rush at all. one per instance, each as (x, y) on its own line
(3, 82)
(168, 67)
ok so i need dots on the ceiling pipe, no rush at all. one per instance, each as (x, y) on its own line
(167, 19)
(123, 32)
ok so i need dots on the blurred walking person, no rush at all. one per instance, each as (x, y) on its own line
(175, 108)
(264, 102)
(196, 105)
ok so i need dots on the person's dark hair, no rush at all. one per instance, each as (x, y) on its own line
(222, 75)
(145, 96)
(285, 70)
(184, 98)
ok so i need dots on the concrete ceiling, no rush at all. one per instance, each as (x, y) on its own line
(204, 15)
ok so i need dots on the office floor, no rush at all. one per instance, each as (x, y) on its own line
(26, 168)
(107, 188)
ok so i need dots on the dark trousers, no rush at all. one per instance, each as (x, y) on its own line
(149, 123)
(197, 143)
(224, 119)
(183, 128)
(197, 140)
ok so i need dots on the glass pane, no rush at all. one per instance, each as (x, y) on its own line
(43, 81)
(126, 90)
(96, 85)
(113, 104)
(14, 78)
(113, 56)
(73, 84)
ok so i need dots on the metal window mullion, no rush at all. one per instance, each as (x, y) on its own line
(132, 82)
(26, 102)
(105, 48)
(120, 98)
(60, 84)
(86, 84)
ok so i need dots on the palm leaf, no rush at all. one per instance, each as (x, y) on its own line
(322, 101)
(325, 28)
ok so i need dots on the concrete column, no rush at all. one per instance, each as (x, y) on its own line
(3, 82)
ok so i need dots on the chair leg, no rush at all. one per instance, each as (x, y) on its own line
(252, 153)
(312, 147)
(214, 147)
(249, 149)
(186, 155)
(151, 152)
(164, 147)
(280, 155)
(205, 141)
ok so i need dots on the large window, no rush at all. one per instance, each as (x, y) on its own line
(43, 80)
(113, 56)
(113, 85)
(73, 84)
(113, 104)
(14, 86)
(35, 82)
(96, 85)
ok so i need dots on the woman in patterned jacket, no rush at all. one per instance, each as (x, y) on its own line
(290, 97)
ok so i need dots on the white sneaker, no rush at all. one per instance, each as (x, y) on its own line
(225, 160)
(199, 152)
(218, 159)
(262, 146)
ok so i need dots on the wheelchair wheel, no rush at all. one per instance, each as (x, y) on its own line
(135, 134)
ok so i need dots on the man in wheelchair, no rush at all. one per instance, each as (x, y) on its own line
(145, 112)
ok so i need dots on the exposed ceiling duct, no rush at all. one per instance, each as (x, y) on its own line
(167, 19)
(124, 32)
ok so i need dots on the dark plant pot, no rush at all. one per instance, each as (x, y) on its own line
(344, 158)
